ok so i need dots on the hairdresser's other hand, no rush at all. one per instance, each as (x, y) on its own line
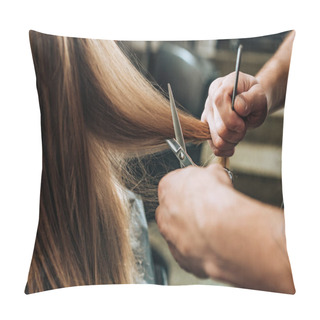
(182, 214)
(214, 231)
(228, 127)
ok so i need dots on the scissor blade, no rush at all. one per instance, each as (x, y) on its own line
(181, 154)
(176, 122)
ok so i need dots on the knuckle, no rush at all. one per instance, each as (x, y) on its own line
(157, 215)
(223, 153)
(218, 142)
(229, 80)
(161, 188)
(204, 115)
(229, 153)
(212, 268)
(160, 185)
(234, 137)
(160, 224)
(240, 136)
(188, 170)
(222, 130)
(206, 107)
(235, 124)
(215, 167)
(161, 217)
(234, 128)
(213, 86)
(184, 248)
(218, 97)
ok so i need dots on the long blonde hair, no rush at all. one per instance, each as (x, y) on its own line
(97, 112)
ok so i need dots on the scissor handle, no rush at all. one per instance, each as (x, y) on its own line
(184, 159)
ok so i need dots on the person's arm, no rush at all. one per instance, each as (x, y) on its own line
(214, 231)
(273, 76)
(256, 97)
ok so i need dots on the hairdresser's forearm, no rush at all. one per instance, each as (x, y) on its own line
(252, 248)
(274, 74)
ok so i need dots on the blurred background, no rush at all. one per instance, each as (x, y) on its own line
(190, 67)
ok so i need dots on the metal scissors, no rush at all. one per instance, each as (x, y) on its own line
(177, 144)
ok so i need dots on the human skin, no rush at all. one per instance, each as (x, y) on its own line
(214, 231)
(256, 98)
(211, 229)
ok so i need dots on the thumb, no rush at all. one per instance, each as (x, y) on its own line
(250, 102)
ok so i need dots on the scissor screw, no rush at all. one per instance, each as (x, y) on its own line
(181, 156)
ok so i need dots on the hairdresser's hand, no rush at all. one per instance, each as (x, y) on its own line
(214, 231)
(187, 198)
(228, 127)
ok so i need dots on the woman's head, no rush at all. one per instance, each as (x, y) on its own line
(97, 112)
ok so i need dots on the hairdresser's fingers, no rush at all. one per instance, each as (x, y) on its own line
(250, 102)
(219, 146)
(227, 134)
(214, 121)
(221, 101)
(226, 126)
(214, 86)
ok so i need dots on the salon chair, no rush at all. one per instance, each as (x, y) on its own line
(189, 75)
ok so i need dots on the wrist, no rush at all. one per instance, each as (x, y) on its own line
(278, 275)
(273, 79)
(267, 89)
